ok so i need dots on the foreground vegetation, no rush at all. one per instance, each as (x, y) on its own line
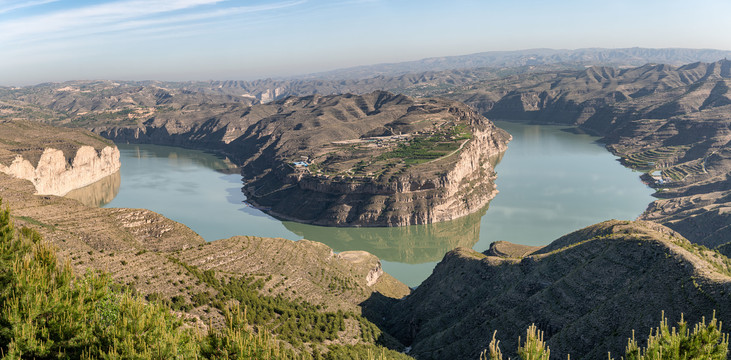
(706, 341)
(46, 312)
(296, 322)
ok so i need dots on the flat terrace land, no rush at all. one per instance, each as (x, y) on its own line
(380, 157)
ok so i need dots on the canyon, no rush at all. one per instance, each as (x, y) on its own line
(670, 122)
(666, 120)
(373, 160)
(587, 290)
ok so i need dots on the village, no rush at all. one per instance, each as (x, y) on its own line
(370, 157)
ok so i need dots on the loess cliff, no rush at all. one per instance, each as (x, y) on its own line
(56, 161)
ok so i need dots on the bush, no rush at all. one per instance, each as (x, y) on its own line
(706, 341)
(534, 347)
(46, 312)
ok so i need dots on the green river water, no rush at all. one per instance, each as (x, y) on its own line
(551, 182)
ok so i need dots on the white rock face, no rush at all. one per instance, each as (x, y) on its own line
(54, 176)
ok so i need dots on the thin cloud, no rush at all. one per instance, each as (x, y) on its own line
(8, 6)
(187, 18)
(90, 16)
(92, 40)
(118, 16)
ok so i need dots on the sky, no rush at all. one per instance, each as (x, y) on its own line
(58, 40)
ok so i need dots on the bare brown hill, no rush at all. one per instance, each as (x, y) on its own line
(586, 290)
(377, 159)
(74, 99)
(671, 122)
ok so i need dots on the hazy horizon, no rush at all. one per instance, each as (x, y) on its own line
(178, 40)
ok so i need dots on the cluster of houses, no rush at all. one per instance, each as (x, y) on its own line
(302, 163)
(381, 141)
(658, 178)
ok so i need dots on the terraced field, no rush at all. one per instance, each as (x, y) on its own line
(655, 159)
(665, 160)
(681, 171)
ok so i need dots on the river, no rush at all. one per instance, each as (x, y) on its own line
(551, 182)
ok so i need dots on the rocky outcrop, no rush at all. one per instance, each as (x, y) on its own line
(55, 176)
(413, 198)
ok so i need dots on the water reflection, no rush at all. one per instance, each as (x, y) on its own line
(178, 157)
(414, 244)
(551, 182)
(99, 193)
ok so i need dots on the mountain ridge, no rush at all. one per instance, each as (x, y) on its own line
(583, 290)
(540, 56)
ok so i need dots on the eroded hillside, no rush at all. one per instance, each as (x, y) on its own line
(586, 290)
(670, 122)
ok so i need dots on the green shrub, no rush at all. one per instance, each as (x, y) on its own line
(47, 312)
(363, 352)
(534, 348)
(706, 341)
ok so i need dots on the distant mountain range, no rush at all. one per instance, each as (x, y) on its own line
(417, 78)
(532, 57)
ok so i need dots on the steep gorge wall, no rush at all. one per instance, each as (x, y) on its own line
(54, 175)
(411, 199)
(671, 121)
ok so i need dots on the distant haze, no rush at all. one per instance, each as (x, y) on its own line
(57, 40)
